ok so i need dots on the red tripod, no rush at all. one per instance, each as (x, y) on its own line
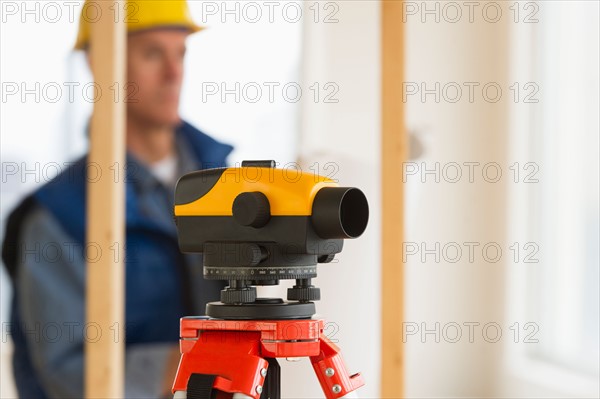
(223, 357)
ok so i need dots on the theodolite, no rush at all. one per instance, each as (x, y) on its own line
(256, 225)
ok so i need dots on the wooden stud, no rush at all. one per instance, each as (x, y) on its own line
(394, 152)
(105, 300)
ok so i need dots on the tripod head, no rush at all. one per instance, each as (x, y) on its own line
(256, 225)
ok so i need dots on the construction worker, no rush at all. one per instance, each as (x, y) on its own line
(48, 321)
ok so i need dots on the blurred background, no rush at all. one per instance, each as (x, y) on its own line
(500, 254)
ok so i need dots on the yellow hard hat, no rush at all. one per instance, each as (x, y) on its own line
(139, 15)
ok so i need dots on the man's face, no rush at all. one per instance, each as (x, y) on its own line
(154, 75)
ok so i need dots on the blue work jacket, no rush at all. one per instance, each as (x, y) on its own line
(45, 252)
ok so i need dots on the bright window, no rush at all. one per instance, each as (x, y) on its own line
(559, 211)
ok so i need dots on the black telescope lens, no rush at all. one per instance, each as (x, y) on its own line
(340, 212)
(354, 212)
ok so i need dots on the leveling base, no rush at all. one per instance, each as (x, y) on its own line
(220, 358)
(261, 309)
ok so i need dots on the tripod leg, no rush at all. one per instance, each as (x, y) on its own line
(331, 371)
(272, 388)
(200, 386)
(231, 356)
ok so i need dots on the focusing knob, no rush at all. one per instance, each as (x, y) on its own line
(304, 294)
(251, 209)
(325, 258)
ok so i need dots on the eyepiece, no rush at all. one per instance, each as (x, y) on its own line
(340, 212)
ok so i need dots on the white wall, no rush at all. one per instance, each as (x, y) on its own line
(447, 213)
(347, 134)
(558, 132)
(238, 56)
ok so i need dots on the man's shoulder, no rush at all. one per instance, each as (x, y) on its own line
(70, 178)
(62, 197)
(209, 151)
(64, 189)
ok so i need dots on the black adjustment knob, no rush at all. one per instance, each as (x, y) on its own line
(238, 295)
(325, 258)
(304, 294)
(303, 291)
(251, 209)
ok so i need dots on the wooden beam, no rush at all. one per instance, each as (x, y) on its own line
(394, 152)
(105, 303)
